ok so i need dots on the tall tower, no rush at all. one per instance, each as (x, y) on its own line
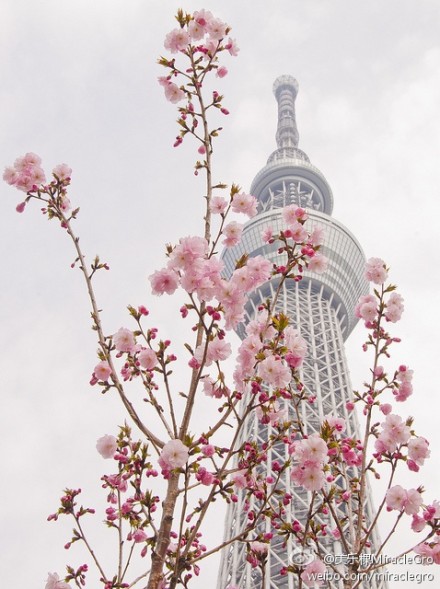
(321, 306)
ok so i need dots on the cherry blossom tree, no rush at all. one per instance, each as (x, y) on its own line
(167, 476)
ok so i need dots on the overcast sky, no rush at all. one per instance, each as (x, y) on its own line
(78, 85)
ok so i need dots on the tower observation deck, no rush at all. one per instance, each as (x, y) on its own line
(321, 307)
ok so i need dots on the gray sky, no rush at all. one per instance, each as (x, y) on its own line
(79, 86)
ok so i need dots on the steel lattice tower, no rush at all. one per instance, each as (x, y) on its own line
(321, 307)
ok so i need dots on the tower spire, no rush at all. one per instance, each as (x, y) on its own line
(285, 89)
(289, 177)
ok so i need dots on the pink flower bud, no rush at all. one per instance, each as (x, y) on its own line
(386, 408)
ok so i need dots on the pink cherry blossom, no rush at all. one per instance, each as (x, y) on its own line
(244, 203)
(274, 372)
(401, 500)
(394, 307)
(418, 450)
(209, 48)
(208, 450)
(273, 415)
(29, 178)
(62, 171)
(174, 454)
(396, 498)
(139, 536)
(404, 388)
(147, 358)
(10, 175)
(242, 278)
(312, 449)
(368, 311)
(176, 40)
(107, 446)
(317, 236)
(221, 72)
(240, 479)
(267, 234)
(297, 232)
(232, 47)
(124, 340)
(205, 477)
(413, 502)
(386, 408)
(203, 17)
(54, 582)
(28, 160)
(434, 510)
(375, 271)
(312, 476)
(65, 204)
(366, 308)
(218, 205)
(313, 574)
(196, 31)
(297, 347)
(338, 423)
(232, 232)
(289, 216)
(216, 29)
(318, 263)
(217, 350)
(102, 370)
(189, 250)
(164, 280)
(173, 93)
(26, 173)
(259, 270)
(259, 547)
(430, 552)
(394, 432)
(418, 523)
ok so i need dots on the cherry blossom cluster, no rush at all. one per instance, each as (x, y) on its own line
(27, 175)
(134, 469)
(368, 307)
(330, 464)
(257, 553)
(311, 454)
(127, 500)
(140, 360)
(200, 37)
(410, 501)
(200, 274)
(278, 348)
(429, 551)
(294, 218)
(396, 436)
